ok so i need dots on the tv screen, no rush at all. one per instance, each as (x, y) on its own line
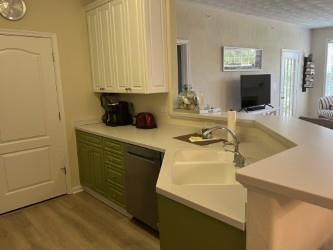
(255, 90)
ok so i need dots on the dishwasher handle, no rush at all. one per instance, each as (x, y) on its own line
(143, 157)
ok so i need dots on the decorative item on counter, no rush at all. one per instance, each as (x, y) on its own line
(232, 118)
(210, 110)
(201, 101)
(308, 73)
(188, 99)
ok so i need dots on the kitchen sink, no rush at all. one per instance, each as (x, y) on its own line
(204, 155)
(204, 167)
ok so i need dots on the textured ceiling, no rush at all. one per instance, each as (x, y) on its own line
(307, 13)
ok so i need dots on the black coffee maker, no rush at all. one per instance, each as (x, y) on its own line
(117, 113)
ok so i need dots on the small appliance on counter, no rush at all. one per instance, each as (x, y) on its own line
(145, 120)
(117, 113)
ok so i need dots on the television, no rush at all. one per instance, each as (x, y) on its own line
(255, 91)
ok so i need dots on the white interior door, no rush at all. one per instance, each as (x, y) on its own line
(32, 150)
(290, 77)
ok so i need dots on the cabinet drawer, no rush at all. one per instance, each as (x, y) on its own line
(89, 138)
(113, 155)
(116, 194)
(112, 161)
(114, 175)
(113, 146)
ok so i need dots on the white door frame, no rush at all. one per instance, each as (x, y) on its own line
(298, 80)
(326, 64)
(58, 82)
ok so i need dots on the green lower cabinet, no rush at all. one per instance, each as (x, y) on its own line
(114, 171)
(184, 228)
(91, 165)
(84, 166)
(101, 166)
(96, 162)
(116, 194)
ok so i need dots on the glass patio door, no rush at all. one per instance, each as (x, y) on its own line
(290, 78)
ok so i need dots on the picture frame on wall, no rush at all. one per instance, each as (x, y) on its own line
(241, 59)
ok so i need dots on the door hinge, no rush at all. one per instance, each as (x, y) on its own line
(65, 170)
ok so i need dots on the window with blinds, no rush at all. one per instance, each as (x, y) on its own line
(329, 73)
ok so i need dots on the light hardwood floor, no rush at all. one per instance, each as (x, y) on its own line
(72, 222)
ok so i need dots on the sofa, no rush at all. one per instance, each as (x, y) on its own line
(326, 107)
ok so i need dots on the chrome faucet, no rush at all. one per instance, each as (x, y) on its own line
(239, 159)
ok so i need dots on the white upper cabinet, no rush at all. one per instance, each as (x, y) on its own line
(128, 46)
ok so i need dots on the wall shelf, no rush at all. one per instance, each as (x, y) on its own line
(308, 73)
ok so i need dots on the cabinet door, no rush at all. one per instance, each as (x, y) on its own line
(108, 69)
(101, 49)
(156, 46)
(97, 169)
(86, 175)
(95, 49)
(119, 40)
(136, 45)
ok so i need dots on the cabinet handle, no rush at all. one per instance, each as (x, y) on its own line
(101, 88)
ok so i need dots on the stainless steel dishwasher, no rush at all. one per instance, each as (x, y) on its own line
(142, 167)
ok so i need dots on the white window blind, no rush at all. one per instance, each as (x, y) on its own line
(329, 73)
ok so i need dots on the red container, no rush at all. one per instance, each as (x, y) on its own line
(145, 120)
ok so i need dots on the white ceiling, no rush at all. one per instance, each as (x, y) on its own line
(307, 13)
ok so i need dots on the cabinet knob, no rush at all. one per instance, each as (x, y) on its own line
(101, 88)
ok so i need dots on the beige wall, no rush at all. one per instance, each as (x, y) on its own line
(66, 19)
(319, 39)
(208, 29)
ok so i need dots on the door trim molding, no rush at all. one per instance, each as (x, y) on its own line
(299, 77)
(58, 82)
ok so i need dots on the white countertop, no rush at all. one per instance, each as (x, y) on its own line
(304, 172)
(225, 203)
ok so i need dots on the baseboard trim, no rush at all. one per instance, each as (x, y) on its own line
(107, 202)
(77, 189)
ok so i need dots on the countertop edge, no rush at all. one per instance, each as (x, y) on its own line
(79, 127)
(260, 184)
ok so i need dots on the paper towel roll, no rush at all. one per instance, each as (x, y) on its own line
(232, 117)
